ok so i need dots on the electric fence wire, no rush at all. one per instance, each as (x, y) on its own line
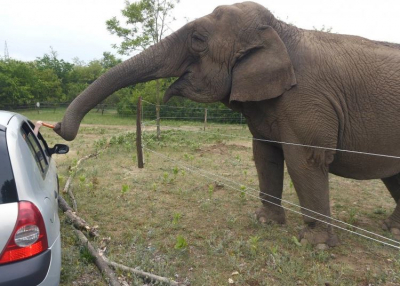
(205, 174)
(288, 202)
(298, 144)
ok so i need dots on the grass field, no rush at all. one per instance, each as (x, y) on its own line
(176, 220)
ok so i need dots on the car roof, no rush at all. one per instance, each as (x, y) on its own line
(6, 116)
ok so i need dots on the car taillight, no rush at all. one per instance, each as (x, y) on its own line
(29, 235)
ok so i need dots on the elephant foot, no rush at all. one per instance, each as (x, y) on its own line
(321, 236)
(393, 227)
(271, 214)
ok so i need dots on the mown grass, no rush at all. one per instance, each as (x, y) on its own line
(174, 220)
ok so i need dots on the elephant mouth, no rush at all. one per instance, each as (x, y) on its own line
(177, 88)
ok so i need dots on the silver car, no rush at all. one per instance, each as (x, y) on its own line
(30, 245)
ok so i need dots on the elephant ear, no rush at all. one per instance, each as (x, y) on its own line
(263, 69)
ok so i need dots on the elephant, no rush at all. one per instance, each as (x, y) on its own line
(304, 87)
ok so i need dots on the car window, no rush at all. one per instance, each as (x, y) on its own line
(35, 148)
(8, 190)
(42, 142)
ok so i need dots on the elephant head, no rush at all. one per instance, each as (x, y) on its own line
(232, 54)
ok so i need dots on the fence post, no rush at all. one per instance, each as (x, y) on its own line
(205, 119)
(139, 133)
(158, 121)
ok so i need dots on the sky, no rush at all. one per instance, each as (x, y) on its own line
(76, 28)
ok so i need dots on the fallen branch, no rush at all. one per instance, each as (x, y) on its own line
(77, 221)
(140, 273)
(67, 188)
(98, 260)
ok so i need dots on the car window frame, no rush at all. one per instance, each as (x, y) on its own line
(36, 147)
(42, 142)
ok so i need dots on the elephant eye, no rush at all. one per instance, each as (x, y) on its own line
(199, 42)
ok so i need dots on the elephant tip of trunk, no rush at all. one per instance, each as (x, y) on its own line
(68, 136)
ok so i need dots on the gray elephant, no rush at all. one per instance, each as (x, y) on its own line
(292, 85)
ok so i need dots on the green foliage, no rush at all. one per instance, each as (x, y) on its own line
(124, 189)
(253, 244)
(146, 24)
(177, 217)
(180, 242)
(22, 83)
(50, 79)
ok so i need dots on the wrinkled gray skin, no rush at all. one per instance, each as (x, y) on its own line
(292, 85)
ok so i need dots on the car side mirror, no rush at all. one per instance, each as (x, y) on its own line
(59, 149)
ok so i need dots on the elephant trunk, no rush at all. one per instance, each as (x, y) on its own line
(159, 61)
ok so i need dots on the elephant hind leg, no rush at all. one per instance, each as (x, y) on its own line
(392, 223)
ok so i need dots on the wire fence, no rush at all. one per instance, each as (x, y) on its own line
(253, 192)
(177, 113)
(239, 187)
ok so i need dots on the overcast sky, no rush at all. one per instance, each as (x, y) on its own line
(76, 28)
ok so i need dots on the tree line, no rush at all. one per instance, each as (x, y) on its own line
(53, 80)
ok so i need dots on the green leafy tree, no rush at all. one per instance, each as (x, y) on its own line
(60, 67)
(146, 23)
(109, 60)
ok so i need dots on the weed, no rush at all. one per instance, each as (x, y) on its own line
(166, 178)
(253, 244)
(352, 216)
(176, 218)
(296, 241)
(82, 179)
(380, 211)
(242, 193)
(90, 187)
(86, 255)
(210, 191)
(175, 171)
(124, 189)
(180, 242)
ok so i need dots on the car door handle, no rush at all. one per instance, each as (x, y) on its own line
(56, 194)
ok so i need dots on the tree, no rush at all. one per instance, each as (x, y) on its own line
(146, 24)
(60, 67)
(109, 60)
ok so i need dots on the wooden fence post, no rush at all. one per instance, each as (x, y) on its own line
(139, 133)
(205, 119)
(158, 121)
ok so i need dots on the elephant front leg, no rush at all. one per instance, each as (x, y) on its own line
(308, 170)
(392, 223)
(269, 164)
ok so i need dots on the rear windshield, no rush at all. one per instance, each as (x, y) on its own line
(8, 190)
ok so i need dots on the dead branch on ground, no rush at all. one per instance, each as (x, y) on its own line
(67, 188)
(99, 261)
(77, 221)
(141, 273)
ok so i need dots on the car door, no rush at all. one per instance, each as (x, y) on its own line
(46, 189)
